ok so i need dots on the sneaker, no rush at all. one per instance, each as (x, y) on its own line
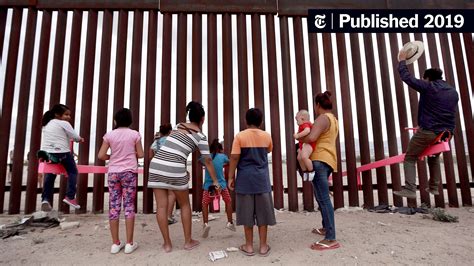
(114, 249)
(71, 202)
(205, 230)
(432, 191)
(405, 193)
(311, 176)
(230, 226)
(129, 248)
(172, 220)
(45, 206)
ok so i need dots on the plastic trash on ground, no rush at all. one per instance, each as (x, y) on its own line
(217, 255)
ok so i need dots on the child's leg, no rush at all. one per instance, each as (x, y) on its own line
(182, 196)
(206, 199)
(129, 188)
(161, 197)
(228, 204)
(262, 233)
(115, 200)
(48, 187)
(301, 161)
(305, 154)
(71, 169)
(171, 202)
(248, 230)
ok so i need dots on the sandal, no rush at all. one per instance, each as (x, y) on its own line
(245, 252)
(266, 253)
(321, 246)
(319, 231)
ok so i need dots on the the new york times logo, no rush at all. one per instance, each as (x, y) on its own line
(368, 20)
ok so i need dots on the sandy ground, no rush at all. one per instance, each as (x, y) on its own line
(366, 238)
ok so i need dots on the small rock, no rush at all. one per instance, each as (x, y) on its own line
(39, 214)
(18, 237)
(383, 224)
(69, 225)
(392, 253)
(78, 234)
(96, 228)
(232, 249)
(471, 210)
(38, 241)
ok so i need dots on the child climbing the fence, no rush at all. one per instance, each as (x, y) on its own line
(125, 148)
(305, 149)
(160, 139)
(219, 159)
(56, 135)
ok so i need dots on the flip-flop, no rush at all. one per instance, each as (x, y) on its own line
(197, 243)
(318, 231)
(265, 254)
(321, 246)
(245, 252)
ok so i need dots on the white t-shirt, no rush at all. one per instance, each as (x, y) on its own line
(56, 136)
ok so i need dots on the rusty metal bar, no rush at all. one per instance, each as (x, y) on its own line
(376, 119)
(22, 112)
(58, 58)
(348, 124)
(197, 96)
(423, 180)
(242, 68)
(181, 68)
(467, 37)
(257, 64)
(227, 82)
(362, 121)
(212, 76)
(150, 105)
(119, 90)
(447, 156)
(35, 139)
(3, 24)
(136, 69)
(389, 115)
(315, 68)
(458, 136)
(218, 6)
(103, 4)
(102, 103)
(308, 201)
(166, 69)
(330, 83)
(73, 70)
(288, 112)
(274, 113)
(86, 107)
(464, 96)
(8, 92)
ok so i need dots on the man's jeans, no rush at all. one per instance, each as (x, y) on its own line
(321, 193)
(418, 143)
(66, 159)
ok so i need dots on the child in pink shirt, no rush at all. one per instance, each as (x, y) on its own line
(125, 145)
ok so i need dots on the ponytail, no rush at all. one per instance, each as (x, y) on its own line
(195, 111)
(215, 147)
(323, 99)
(48, 116)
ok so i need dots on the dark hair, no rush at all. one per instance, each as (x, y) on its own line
(195, 111)
(165, 129)
(123, 118)
(433, 74)
(57, 110)
(215, 147)
(254, 117)
(323, 99)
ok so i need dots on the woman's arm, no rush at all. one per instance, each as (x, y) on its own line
(320, 126)
(102, 155)
(212, 172)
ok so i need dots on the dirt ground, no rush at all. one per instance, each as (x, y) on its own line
(365, 237)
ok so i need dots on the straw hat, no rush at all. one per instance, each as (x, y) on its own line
(414, 50)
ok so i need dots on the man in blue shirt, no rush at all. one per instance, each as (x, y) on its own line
(436, 114)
